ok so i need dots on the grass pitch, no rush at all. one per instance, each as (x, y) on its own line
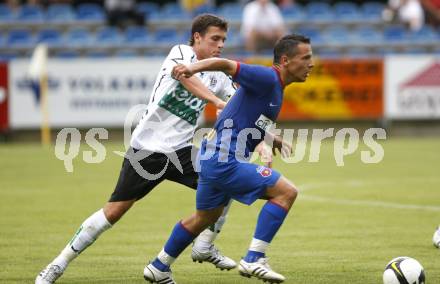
(347, 223)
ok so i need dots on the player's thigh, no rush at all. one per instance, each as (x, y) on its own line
(134, 184)
(209, 196)
(188, 176)
(249, 182)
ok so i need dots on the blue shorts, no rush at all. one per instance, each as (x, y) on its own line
(244, 182)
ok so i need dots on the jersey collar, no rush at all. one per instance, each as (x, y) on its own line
(277, 70)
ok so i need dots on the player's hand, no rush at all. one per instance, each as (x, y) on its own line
(284, 147)
(265, 154)
(180, 71)
(220, 105)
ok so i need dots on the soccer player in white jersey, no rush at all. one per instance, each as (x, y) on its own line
(161, 146)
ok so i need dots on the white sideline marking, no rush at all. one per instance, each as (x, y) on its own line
(370, 203)
(360, 183)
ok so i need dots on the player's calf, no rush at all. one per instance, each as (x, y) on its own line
(85, 236)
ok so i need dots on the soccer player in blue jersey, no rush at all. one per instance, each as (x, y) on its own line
(225, 172)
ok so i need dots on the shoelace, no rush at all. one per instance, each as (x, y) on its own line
(52, 273)
(265, 262)
(216, 253)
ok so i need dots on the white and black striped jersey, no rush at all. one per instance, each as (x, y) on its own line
(172, 113)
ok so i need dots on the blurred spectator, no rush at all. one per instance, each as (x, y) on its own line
(286, 4)
(409, 12)
(122, 13)
(432, 9)
(262, 25)
(44, 3)
(13, 4)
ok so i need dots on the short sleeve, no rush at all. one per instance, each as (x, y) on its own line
(256, 79)
(179, 54)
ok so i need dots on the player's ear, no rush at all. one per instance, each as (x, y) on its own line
(284, 60)
(197, 37)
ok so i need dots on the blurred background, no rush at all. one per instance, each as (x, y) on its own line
(376, 61)
(148, 28)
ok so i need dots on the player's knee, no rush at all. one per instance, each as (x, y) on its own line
(210, 220)
(112, 215)
(114, 212)
(290, 193)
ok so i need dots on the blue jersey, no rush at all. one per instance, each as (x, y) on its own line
(252, 110)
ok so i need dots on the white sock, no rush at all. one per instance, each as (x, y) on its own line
(165, 258)
(206, 238)
(258, 245)
(87, 233)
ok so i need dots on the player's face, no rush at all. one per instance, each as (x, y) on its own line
(300, 65)
(211, 43)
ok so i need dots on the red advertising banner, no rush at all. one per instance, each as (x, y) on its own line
(4, 122)
(338, 89)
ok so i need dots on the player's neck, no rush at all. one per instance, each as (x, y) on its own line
(281, 75)
(198, 53)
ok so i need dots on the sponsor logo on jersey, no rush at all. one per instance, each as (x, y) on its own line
(264, 123)
(264, 171)
(183, 104)
(212, 81)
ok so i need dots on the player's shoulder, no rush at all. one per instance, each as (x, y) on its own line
(182, 47)
(256, 66)
(180, 51)
(256, 69)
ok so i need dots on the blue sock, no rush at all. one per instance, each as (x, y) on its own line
(269, 221)
(253, 256)
(159, 265)
(180, 238)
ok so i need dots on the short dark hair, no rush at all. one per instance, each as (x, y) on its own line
(202, 22)
(288, 45)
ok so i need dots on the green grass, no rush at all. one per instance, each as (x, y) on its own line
(345, 226)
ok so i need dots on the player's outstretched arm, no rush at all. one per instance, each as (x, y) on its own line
(211, 64)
